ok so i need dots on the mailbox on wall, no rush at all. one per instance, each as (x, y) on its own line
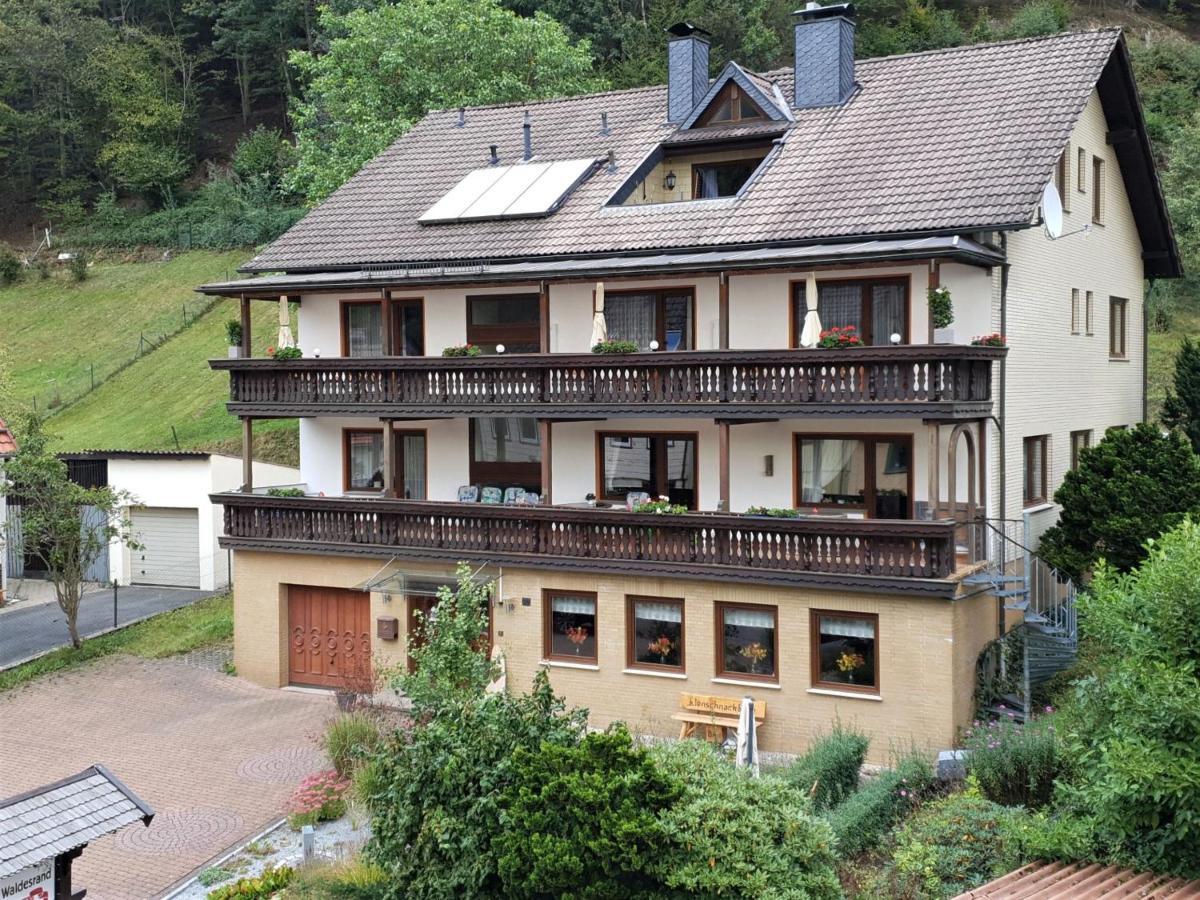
(387, 628)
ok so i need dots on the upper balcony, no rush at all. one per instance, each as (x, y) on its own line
(943, 381)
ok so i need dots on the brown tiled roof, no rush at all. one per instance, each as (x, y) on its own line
(1083, 881)
(957, 139)
(8, 443)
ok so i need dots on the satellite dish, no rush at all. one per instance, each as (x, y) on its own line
(1052, 211)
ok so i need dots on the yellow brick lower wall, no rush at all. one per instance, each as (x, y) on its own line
(926, 652)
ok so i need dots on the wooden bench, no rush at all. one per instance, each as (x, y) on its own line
(715, 714)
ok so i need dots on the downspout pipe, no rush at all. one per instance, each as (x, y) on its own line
(1003, 408)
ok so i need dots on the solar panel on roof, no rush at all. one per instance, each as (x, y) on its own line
(507, 192)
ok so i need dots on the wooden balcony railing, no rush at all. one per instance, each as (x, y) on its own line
(866, 554)
(941, 379)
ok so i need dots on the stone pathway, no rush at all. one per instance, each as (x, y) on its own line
(215, 757)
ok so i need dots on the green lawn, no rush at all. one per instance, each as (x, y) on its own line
(173, 386)
(56, 330)
(1160, 368)
(202, 624)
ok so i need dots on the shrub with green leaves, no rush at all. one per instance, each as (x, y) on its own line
(1015, 764)
(735, 836)
(434, 793)
(862, 820)
(270, 882)
(582, 820)
(828, 771)
(11, 268)
(350, 739)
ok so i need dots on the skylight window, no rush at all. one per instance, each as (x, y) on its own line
(527, 190)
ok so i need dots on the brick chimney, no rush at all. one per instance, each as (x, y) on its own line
(824, 55)
(687, 69)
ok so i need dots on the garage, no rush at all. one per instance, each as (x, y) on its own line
(170, 546)
(329, 637)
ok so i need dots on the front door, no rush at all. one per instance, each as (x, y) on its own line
(330, 637)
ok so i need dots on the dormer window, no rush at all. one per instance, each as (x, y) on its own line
(721, 179)
(707, 171)
(730, 107)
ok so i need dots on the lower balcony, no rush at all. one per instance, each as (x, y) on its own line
(945, 381)
(876, 555)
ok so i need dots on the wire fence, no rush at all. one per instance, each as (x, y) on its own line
(84, 377)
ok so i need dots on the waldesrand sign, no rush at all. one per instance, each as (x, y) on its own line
(33, 883)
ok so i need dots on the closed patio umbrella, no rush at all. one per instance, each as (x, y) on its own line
(599, 325)
(811, 332)
(747, 738)
(285, 324)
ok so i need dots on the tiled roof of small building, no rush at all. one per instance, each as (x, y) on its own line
(50, 820)
(8, 443)
(1083, 881)
(957, 139)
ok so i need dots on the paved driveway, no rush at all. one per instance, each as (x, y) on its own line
(30, 628)
(215, 756)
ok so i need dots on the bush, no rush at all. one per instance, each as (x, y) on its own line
(1015, 764)
(952, 845)
(11, 268)
(1038, 17)
(828, 772)
(263, 153)
(350, 880)
(271, 881)
(214, 875)
(349, 740)
(319, 798)
(740, 837)
(866, 816)
(77, 265)
(434, 793)
(582, 820)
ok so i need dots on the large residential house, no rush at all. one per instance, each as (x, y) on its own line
(713, 224)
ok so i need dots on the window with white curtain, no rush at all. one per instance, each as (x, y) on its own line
(644, 316)
(844, 650)
(655, 636)
(876, 309)
(832, 472)
(570, 626)
(364, 460)
(749, 645)
(412, 464)
(364, 329)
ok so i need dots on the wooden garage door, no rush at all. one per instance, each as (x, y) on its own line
(330, 633)
(170, 540)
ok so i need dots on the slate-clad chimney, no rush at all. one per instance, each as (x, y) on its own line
(824, 55)
(687, 69)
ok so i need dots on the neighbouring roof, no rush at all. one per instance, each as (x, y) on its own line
(943, 247)
(1083, 881)
(133, 454)
(945, 141)
(8, 443)
(59, 817)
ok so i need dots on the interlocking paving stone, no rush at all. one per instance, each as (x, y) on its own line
(177, 735)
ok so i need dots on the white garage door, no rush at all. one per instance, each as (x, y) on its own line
(170, 540)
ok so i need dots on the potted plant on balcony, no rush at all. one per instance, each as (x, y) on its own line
(773, 512)
(282, 354)
(460, 350)
(285, 492)
(839, 338)
(989, 340)
(661, 507)
(233, 336)
(941, 314)
(615, 347)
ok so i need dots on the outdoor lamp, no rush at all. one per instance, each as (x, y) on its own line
(669, 181)
(895, 337)
(317, 352)
(654, 345)
(499, 348)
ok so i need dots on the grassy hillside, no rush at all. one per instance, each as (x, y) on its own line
(1160, 372)
(55, 330)
(173, 386)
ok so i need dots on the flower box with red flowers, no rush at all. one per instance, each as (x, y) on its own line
(837, 338)
(284, 353)
(989, 340)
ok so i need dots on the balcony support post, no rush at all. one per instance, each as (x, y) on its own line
(723, 311)
(935, 464)
(546, 442)
(245, 326)
(723, 464)
(544, 317)
(934, 279)
(247, 452)
(385, 318)
(389, 459)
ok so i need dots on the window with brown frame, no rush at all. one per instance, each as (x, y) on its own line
(1036, 469)
(1089, 312)
(658, 464)
(362, 458)
(747, 641)
(1081, 171)
(1074, 310)
(569, 625)
(725, 178)
(654, 633)
(505, 451)
(730, 106)
(666, 315)
(1080, 441)
(877, 308)
(844, 650)
(1117, 326)
(1098, 190)
(846, 471)
(511, 320)
(368, 326)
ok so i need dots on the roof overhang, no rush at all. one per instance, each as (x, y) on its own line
(946, 247)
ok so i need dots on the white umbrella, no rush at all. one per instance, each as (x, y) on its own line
(599, 325)
(285, 324)
(812, 321)
(747, 738)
